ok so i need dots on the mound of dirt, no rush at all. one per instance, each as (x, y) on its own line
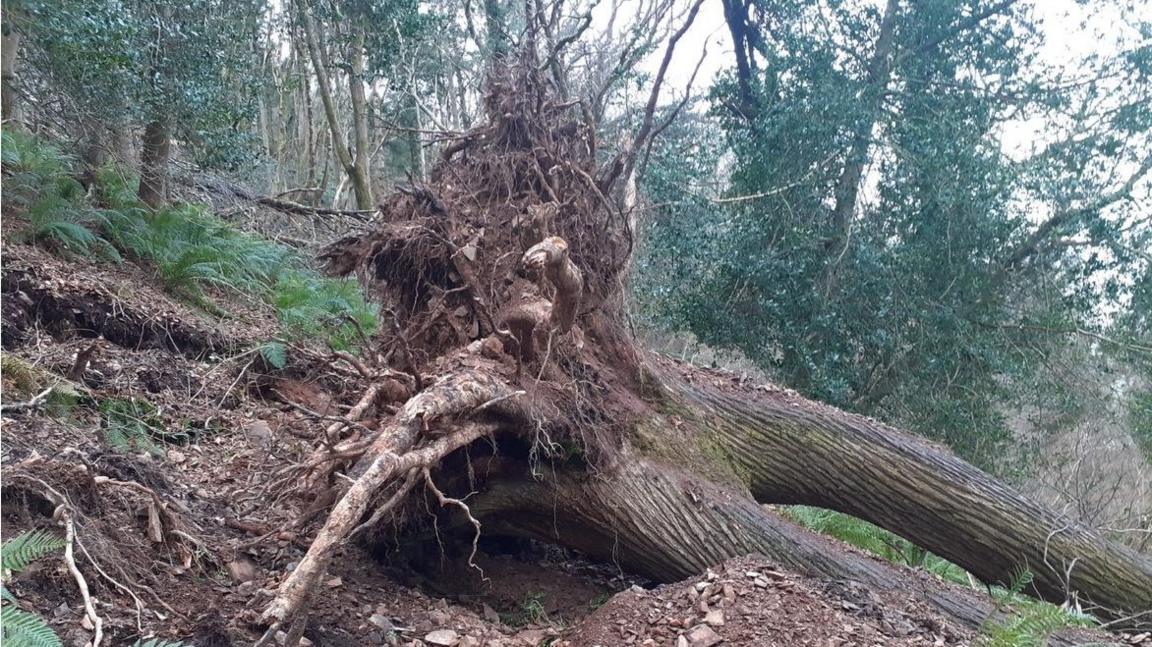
(750, 601)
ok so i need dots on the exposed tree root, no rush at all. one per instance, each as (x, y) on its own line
(389, 456)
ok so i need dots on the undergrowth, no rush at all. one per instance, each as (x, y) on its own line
(875, 540)
(190, 249)
(1027, 621)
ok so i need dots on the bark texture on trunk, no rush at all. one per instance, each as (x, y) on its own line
(361, 177)
(848, 184)
(672, 516)
(789, 450)
(154, 156)
(668, 524)
(355, 168)
(9, 51)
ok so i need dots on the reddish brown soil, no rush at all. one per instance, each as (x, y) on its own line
(218, 474)
(749, 601)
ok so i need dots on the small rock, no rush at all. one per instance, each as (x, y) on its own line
(703, 636)
(714, 617)
(242, 570)
(282, 637)
(490, 614)
(468, 641)
(681, 641)
(761, 582)
(700, 586)
(334, 582)
(438, 617)
(636, 588)
(382, 621)
(531, 637)
(176, 456)
(259, 433)
(443, 638)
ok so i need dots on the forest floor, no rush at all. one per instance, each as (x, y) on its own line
(173, 449)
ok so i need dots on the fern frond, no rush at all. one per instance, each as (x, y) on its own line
(23, 629)
(275, 354)
(23, 549)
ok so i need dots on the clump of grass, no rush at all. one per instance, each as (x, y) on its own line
(23, 380)
(531, 611)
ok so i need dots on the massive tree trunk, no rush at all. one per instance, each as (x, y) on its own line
(531, 411)
(682, 499)
(154, 156)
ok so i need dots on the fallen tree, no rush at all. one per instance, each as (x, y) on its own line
(534, 413)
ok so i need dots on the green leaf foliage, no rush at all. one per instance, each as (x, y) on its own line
(23, 549)
(23, 629)
(132, 425)
(930, 304)
(275, 354)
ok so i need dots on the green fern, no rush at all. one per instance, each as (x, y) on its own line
(1031, 621)
(24, 629)
(20, 551)
(131, 425)
(275, 354)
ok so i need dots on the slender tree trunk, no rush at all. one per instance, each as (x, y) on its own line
(306, 126)
(9, 55)
(154, 156)
(361, 177)
(848, 184)
(352, 167)
(496, 29)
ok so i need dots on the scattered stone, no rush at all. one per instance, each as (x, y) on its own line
(714, 617)
(334, 582)
(438, 617)
(703, 636)
(681, 641)
(176, 456)
(382, 621)
(259, 433)
(242, 570)
(443, 638)
(532, 637)
(490, 614)
(282, 637)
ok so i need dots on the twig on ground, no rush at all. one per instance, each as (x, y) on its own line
(34, 403)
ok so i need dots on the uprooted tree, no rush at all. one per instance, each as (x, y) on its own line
(526, 408)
